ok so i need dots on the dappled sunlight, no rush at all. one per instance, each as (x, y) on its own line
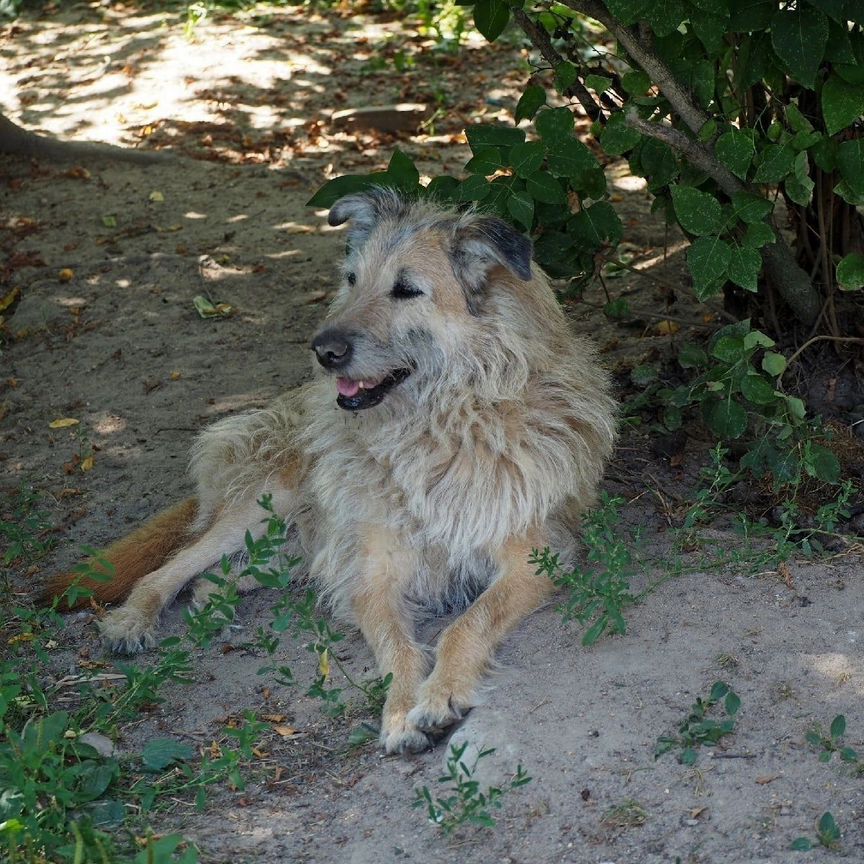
(838, 668)
(109, 424)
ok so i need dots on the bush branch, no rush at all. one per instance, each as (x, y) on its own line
(541, 41)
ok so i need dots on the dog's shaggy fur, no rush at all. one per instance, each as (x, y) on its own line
(466, 425)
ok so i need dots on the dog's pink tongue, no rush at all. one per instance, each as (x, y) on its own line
(347, 386)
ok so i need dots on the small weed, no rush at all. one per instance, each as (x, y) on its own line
(698, 729)
(24, 528)
(627, 814)
(602, 591)
(827, 835)
(832, 743)
(466, 803)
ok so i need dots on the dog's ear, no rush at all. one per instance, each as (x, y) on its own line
(482, 243)
(365, 210)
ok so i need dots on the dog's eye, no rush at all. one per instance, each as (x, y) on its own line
(352, 278)
(403, 290)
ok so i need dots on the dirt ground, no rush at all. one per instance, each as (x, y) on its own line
(117, 344)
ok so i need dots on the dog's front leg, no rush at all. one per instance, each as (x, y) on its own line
(386, 623)
(466, 648)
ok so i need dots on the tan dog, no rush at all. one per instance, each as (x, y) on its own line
(460, 423)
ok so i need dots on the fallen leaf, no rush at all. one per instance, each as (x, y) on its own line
(87, 464)
(67, 274)
(63, 423)
(19, 638)
(273, 718)
(103, 745)
(207, 309)
(9, 298)
(324, 664)
(762, 781)
(78, 173)
(176, 376)
(156, 196)
(667, 328)
(285, 731)
(109, 221)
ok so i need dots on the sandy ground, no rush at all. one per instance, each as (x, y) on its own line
(120, 347)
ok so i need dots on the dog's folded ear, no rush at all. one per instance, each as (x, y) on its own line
(364, 210)
(483, 242)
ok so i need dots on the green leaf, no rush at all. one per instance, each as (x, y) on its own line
(530, 102)
(708, 259)
(850, 161)
(757, 338)
(487, 135)
(758, 235)
(735, 149)
(665, 16)
(838, 726)
(850, 272)
(617, 138)
(799, 190)
(635, 82)
(824, 465)
(565, 74)
(554, 123)
(627, 10)
(443, 187)
(526, 158)
(729, 349)
(159, 753)
(339, 187)
(751, 15)
(756, 389)
(544, 187)
(570, 158)
(732, 703)
(598, 83)
(834, 8)
(827, 825)
(491, 17)
(658, 163)
(773, 363)
(520, 205)
(726, 419)
(473, 188)
(486, 161)
(842, 103)
(710, 30)
(749, 207)
(799, 37)
(698, 212)
(744, 267)
(596, 225)
(402, 171)
(775, 163)
(801, 844)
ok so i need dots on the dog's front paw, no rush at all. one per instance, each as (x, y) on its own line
(399, 735)
(438, 707)
(126, 630)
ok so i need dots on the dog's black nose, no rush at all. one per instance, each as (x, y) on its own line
(333, 348)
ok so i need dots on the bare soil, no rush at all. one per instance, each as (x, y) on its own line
(108, 259)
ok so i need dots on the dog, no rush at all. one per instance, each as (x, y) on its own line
(456, 424)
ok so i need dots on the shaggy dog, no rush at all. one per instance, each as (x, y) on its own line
(457, 424)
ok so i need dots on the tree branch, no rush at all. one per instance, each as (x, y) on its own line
(659, 73)
(541, 41)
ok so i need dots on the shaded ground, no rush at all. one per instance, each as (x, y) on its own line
(120, 347)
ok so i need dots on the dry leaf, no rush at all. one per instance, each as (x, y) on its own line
(175, 375)
(63, 423)
(20, 637)
(87, 464)
(285, 731)
(67, 274)
(667, 328)
(762, 781)
(156, 196)
(273, 718)
(9, 298)
(324, 664)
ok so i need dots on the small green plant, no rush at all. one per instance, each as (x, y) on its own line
(24, 528)
(601, 591)
(698, 729)
(465, 804)
(832, 743)
(827, 835)
(627, 814)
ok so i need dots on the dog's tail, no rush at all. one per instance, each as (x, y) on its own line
(128, 559)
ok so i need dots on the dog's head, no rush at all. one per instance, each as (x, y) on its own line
(416, 281)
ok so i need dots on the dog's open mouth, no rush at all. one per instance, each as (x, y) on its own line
(356, 395)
